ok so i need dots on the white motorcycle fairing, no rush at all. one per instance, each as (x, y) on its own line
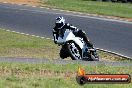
(69, 41)
(68, 36)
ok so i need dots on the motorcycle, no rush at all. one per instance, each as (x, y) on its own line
(75, 47)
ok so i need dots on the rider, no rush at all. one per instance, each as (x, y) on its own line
(61, 26)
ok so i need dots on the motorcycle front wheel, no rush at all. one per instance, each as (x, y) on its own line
(74, 51)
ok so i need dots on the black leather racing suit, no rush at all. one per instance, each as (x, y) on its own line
(76, 32)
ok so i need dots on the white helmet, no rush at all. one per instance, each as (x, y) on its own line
(60, 21)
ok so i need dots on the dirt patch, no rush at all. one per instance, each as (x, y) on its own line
(130, 19)
(25, 2)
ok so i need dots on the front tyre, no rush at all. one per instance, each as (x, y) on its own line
(64, 52)
(74, 51)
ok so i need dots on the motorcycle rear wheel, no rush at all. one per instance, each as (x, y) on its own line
(94, 58)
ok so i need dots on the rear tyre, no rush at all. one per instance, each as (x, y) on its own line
(94, 58)
(74, 51)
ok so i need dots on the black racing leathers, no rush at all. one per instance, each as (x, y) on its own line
(60, 32)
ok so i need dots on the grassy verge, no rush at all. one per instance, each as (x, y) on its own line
(14, 75)
(20, 75)
(26, 46)
(16, 45)
(94, 7)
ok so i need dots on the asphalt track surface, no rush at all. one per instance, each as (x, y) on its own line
(63, 62)
(112, 35)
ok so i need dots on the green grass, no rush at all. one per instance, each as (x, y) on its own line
(26, 46)
(94, 7)
(46, 75)
(16, 45)
(16, 75)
